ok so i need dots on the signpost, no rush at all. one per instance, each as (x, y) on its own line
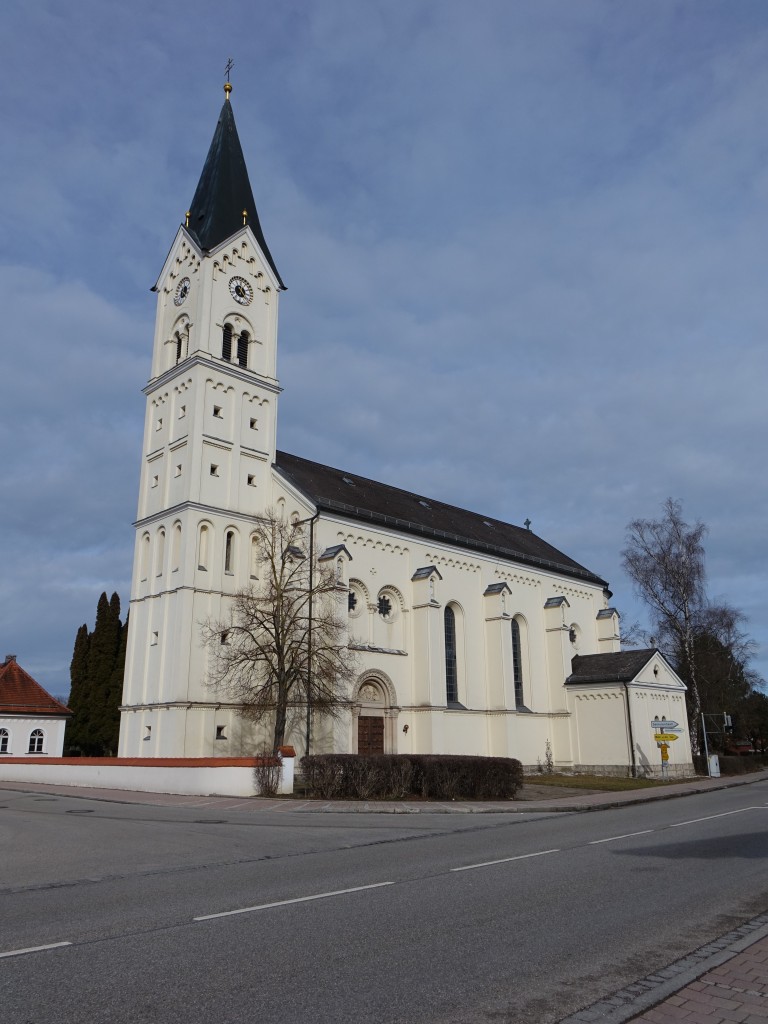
(665, 732)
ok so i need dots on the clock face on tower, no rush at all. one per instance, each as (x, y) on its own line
(182, 291)
(240, 290)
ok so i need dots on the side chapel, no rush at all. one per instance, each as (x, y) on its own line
(475, 636)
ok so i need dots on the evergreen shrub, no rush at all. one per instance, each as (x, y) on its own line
(398, 776)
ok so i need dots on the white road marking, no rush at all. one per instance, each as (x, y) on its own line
(612, 839)
(504, 860)
(284, 903)
(710, 817)
(33, 949)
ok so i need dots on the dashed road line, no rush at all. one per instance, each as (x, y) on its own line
(710, 817)
(504, 860)
(284, 903)
(33, 949)
(628, 835)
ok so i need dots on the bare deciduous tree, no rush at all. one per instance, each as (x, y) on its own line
(664, 558)
(283, 644)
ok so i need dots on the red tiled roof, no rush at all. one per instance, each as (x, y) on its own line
(21, 695)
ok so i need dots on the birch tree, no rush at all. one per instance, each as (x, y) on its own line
(664, 558)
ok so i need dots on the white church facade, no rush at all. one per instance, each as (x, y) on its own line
(473, 636)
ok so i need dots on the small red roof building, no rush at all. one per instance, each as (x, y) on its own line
(20, 694)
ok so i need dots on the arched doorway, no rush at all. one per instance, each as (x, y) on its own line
(374, 717)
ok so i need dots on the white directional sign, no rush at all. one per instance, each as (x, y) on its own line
(662, 725)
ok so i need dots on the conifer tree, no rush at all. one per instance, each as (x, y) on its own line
(95, 696)
(78, 675)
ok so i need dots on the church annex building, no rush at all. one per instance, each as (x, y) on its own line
(474, 636)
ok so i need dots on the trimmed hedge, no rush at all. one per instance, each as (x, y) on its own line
(396, 776)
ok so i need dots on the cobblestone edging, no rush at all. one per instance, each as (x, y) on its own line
(628, 1002)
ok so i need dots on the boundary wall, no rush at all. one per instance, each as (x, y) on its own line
(190, 776)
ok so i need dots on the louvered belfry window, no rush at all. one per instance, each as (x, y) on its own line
(242, 349)
(226, 342)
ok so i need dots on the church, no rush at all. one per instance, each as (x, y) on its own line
(474, 636)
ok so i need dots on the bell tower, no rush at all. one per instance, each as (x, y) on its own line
(209, 446)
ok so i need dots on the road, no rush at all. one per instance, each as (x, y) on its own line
(177, 914)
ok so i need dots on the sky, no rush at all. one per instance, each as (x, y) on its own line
(524, 243)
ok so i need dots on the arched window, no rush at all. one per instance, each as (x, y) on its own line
(229, 549)
(202, 555)
(160, 553)
(176, 547)
(226, 342)
(36, 741)
(517, 664)
(144, 570)
(5, 738)
(179, 347)
(451, 670)
(254, 573)
(242, 348)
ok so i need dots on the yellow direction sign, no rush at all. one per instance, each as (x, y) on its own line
(666, 737)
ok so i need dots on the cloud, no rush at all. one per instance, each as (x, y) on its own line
(524, 252)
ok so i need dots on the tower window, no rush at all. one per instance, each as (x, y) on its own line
(242, 349)
(182, 412)
(221, 733)
(178, 348)
(177, 471)
(229, 544)
(251, 480)
(217, 412)
(155, 637)
(253, 424)
(226, 342)
(159, 424)
(384, 606)
(154, 480)
(214, 470)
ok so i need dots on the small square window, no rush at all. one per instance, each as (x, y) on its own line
(153, 641)
(221, 732)
(154, 480)
(177, 471)
(147, 732)
(214, 470)
(251, 480)
(224, 637)
(182, 412)
(217, 412)
(159, 424)
(253, 424)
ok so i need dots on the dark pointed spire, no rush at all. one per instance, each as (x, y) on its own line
(223, 200)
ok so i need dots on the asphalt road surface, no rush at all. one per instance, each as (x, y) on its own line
(126, 912)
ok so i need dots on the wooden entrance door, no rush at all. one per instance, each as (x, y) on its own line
(370, 735)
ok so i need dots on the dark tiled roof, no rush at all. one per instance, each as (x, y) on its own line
(21, 695)
(224, 191)
(619, 667)
(356, 497)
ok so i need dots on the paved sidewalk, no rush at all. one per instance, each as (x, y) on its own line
(724, 982)
(737, 991)
(537, 799)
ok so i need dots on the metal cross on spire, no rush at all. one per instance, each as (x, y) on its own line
(228, 68)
